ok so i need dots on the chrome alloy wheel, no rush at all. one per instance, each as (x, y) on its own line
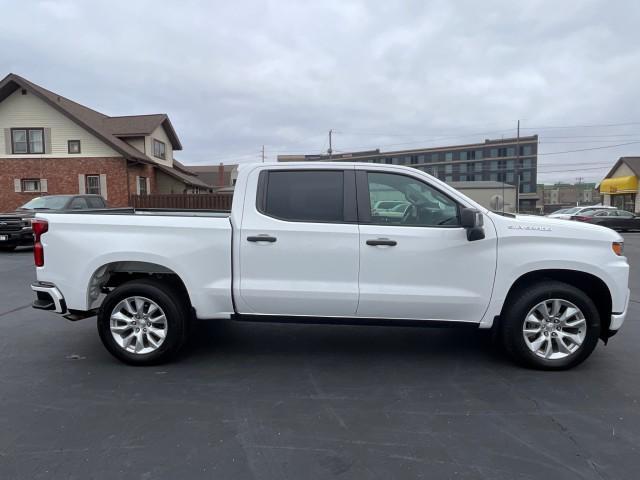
(554, 329)
(138, 325)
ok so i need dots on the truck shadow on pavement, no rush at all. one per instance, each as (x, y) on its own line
(300, 342)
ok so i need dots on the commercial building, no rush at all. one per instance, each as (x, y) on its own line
(564, 195)
(52, 145)
(511, 160)
(620, 186)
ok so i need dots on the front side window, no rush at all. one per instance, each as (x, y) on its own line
(305, 196)
(159, 149)
(27, 140)
(93, 184)
(424, 206)
(31, 185)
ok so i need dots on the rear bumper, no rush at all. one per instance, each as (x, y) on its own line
(48, 297)
(617, 319)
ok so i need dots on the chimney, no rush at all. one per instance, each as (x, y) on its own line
(221, 175)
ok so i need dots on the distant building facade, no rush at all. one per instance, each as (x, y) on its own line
(564, 195)
(219, 176)
(512, 161)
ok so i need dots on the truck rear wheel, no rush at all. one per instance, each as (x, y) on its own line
(550, 326)
(143, 322)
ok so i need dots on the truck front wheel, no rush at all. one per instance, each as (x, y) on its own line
(143, 322)
(550, 325)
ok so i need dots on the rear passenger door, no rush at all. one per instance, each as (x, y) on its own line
(298, 243)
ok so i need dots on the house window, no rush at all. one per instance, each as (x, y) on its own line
(73, 146)
(142, 185)
(30, 184)
(27, 140)
(158, 149)
(92, 184)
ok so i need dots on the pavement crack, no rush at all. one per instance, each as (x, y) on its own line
(15, 310)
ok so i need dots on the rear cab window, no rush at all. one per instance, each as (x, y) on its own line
(305, 196)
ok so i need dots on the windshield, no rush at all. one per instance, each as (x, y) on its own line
(46, 203)
(573, 210)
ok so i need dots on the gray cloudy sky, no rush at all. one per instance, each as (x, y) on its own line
(394, 75)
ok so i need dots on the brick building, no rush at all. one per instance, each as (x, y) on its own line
(52, 145)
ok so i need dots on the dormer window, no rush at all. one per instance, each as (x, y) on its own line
(159, 149)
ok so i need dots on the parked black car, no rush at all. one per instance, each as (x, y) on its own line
(620, 220)
(15, 227)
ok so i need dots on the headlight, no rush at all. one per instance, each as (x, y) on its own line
(26, 222)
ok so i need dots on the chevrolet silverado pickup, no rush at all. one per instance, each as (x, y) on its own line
(302, 243)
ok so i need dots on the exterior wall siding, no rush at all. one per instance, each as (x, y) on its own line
(160, 134)
(136, 142)
(19, 110)
(62, 175)
(168, 184)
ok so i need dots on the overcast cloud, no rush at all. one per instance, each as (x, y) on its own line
(236, 75)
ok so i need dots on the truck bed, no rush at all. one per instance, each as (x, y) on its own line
(84, 247)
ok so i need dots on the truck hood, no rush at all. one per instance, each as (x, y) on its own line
(543, 226)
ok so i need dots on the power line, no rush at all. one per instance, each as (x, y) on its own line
(589, 149)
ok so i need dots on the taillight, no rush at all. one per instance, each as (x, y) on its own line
(580, 218)
(39, 227)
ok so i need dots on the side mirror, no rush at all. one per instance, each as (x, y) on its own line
(473, 221)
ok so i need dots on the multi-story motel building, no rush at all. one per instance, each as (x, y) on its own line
(510, 160)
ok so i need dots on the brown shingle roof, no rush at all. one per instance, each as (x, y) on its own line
(102, 126)
(184, 177)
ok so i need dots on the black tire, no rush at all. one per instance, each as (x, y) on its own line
(176, 310)
(7, 248)
(514, 314)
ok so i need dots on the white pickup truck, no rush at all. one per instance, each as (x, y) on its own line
(303, 244)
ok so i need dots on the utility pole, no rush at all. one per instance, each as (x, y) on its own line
(330, 151)
(262, 153)
(578, 190)
(518, 169)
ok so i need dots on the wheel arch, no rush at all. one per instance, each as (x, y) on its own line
(114, 274)
(590, 284)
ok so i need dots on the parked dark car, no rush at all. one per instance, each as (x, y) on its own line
(15, 227)
(620, 220)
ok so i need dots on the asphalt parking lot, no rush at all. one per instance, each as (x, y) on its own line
(285, 401)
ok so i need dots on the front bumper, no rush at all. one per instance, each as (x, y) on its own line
(48, 297)
(617, 319)
(17, 238)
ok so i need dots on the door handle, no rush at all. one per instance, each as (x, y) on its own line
(262, 238)
(382, 241)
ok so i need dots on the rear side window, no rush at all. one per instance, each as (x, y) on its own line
(79, 203)
(305, 196)
(95, 202)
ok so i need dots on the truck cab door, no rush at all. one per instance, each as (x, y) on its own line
(419, 264)
(297, 245)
